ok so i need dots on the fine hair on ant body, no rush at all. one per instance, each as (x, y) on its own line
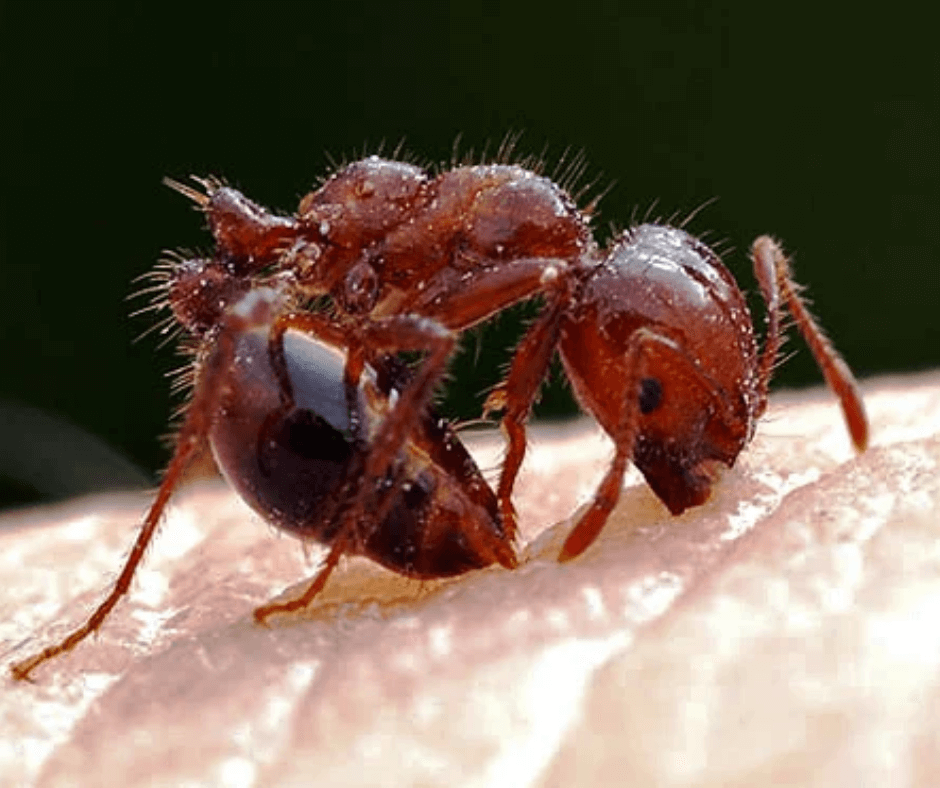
(316, 423)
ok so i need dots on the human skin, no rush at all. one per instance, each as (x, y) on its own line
(788, 631)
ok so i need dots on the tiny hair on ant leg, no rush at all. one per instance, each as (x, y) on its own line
(316, 422)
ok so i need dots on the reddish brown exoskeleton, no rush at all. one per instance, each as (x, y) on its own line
(653, 333)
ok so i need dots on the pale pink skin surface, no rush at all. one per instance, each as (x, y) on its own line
(787, 631)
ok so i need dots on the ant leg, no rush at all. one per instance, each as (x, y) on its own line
(443, 446)
(608, 491)
(189, 439)
(479, 294)
(516, 395)
(397, 334)
(389, 335)
(482, 293)
(340, 545)
(195, 427)
(772, 270)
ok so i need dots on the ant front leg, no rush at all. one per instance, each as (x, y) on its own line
(199, 415)
(608, 491)
(400, 334)
(645, 349)
(396, 334)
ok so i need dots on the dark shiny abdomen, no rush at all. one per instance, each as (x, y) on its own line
(297, 467)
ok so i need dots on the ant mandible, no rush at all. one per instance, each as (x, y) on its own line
(655, 338)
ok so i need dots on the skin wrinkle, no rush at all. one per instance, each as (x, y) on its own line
(660, 652)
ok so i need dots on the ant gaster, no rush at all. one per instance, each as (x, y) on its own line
(296, 442)
(654, 336)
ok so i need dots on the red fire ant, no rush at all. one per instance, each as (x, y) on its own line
(313, 420)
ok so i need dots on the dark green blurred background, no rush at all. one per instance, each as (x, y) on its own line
(822, 130)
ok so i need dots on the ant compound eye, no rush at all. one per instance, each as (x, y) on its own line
(651, 395)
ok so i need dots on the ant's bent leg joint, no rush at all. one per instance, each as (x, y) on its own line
(608, 491)
(391, 335)
(314, 587)
(516, 395)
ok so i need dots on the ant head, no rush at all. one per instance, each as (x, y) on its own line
(687, 431)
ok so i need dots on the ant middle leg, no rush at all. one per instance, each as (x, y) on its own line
(371, 340)
(516, 395)
(399, 334)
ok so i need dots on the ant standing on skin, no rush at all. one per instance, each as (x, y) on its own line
(315, 422)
